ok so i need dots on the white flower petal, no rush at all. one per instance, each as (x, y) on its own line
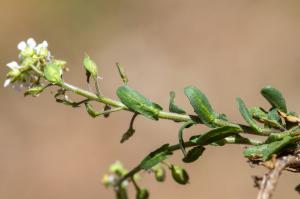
(44, 44)
(22, 45)
(31, 43)
(7, 82)
(13, 65)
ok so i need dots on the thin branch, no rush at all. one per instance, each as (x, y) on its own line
(270, 180)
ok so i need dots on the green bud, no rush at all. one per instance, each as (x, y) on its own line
(108, 180)
(179, 175)
(35, 91)
(142, 194)
(160, 173)
(118, 169)
(60, 63)
(122, 73)
(53, 73)
(90, 66)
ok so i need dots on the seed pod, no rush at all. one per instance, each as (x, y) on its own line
(179, 175)
(142, 194)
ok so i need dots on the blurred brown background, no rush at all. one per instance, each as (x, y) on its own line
(226, 48)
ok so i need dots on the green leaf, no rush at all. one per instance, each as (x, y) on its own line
(90, 66)
(193, 154)
(201, 105)
(53, 73)
(265, 151)
(155, 157)
(172, 106)
(138, 103)
(270, 119)
(247, 116)
(179, 175)
(215, 135)
(274, 97)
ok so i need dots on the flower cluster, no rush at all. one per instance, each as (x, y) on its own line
(31, 55)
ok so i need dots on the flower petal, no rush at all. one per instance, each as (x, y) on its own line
(13, 65)
(22, 45)
(7, 82)
(31, 43)
(44, 44)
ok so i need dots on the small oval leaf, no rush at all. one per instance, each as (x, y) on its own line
(138, 103)
(274, 97)
(265, 151)
(155, 157)
(193, 154)
(247, 116)
(201, 105)
(215, 135)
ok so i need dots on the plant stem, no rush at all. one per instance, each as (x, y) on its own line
(172, 148)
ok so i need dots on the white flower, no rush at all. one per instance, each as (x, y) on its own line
(13, 66)
(30, 43)
(43, 45)
(7, 82)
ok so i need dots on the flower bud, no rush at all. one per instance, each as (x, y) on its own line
(179, 174)
(108, 180)
(118, 169)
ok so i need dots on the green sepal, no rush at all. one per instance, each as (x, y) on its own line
(215, 135)
(193, 154)
(90, 66)
(155, 157)
(247, 116)
(265, 151)
(138, 103)
(179, 175)
(173, 107)
(53, 73)
(201, 105)
(274, 97)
